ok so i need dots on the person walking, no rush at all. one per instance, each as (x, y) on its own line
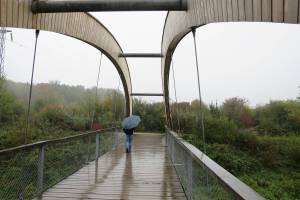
(129, 136)
(129, 124)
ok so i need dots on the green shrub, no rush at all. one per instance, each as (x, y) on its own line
(219, 130)
(232, 159)
(55, 115)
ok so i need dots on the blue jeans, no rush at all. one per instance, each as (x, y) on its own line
(129, 142)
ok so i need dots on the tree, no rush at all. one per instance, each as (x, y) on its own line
(279, 117)
(10, 108)
(237, 110)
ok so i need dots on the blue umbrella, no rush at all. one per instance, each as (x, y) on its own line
(131, 122)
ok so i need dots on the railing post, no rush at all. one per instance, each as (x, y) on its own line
(116, 138)
(173, 150)
(113, 140)
(190, 176)
(40, 171)
(97, 147)
(88, 149)
(166, 138)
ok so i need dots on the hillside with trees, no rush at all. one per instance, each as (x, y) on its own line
(57, 110)
(260, 145)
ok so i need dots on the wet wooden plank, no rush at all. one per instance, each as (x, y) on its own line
(235, 10)
(248, 10)
(15, 13)
(38, 21)
(241, 5)
(266, 10)
(224, 10)
(21, 14)
(28, 17)
(257, 10)
(216, 10)
(146, 173)
(9, 19)
(220, 10)
(291, 11)
(210, 11)
(3, 12)
(206, 14)
(277, 11)
(229, 11)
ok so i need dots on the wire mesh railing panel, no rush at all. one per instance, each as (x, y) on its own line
(18, 174)
(178, 161)
(120, 137)
(202, 178)
(63, 159)
(106, 142)
(91, 146)
(206, 186)
(26, 171)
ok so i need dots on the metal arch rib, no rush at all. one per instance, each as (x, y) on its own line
(81, 26)
(201, 12)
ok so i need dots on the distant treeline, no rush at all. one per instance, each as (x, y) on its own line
(57, 110)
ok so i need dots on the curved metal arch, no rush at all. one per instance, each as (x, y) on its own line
(201, 12)
(82, 26)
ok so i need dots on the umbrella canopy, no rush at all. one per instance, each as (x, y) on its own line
(131, 122)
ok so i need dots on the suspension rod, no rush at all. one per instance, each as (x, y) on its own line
(141, 55)
(52, 6)
(148, 94)
(37, 32)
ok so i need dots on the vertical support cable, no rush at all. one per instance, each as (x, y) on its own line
(96, 93)
(176, 99)
(115, 101)
(199, 91)
(31, 83)
(171, 124)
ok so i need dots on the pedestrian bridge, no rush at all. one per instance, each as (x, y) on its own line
(94, 165)
(146, 173)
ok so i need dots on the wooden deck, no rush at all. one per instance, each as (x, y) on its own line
(146, 173)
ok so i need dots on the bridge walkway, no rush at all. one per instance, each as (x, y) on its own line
(145, 173)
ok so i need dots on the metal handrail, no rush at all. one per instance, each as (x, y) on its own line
(51, 141)
(229, 182)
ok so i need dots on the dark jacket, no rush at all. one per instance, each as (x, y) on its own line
(128, 131)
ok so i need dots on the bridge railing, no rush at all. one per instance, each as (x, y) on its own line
(27, 171)
(200, 176)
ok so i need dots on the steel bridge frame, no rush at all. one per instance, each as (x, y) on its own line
(79, 25)
(202, 12)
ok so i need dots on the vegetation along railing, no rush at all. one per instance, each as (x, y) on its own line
(201, 177)
(27, 171)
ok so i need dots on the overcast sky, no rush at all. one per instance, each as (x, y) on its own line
(256, 61)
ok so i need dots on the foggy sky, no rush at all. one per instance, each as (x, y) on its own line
(256, 61)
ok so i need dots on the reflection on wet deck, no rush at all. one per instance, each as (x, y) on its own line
(146, 173)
